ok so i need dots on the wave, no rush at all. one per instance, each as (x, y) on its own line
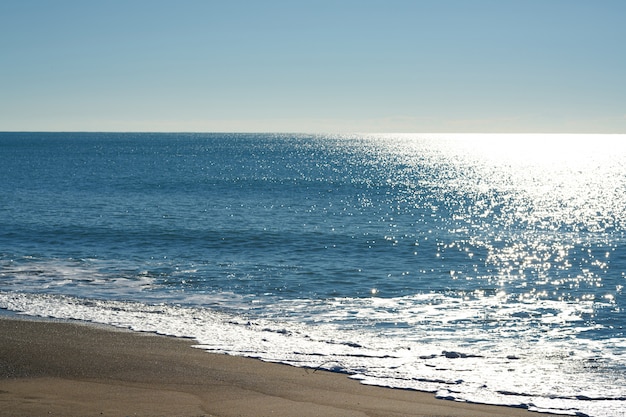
(474, 366)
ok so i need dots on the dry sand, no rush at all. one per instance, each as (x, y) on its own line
(67, 369)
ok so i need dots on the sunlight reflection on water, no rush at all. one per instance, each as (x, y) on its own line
(547, 210)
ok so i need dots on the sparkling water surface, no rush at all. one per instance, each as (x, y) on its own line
(484, 268)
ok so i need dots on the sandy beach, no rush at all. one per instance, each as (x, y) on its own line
(66, 369)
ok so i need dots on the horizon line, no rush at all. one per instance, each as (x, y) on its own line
(310, 133)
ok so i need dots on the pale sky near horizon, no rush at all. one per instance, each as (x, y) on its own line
(313, 66)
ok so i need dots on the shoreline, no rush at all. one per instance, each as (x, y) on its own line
(61, 368)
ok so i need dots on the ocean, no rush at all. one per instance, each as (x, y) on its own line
(482, 268)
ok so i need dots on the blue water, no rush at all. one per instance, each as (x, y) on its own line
(484, 268)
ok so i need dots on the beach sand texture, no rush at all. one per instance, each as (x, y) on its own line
(71, 369)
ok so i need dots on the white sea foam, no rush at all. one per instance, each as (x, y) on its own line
(472, 365)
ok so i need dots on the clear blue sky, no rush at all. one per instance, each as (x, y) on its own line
(313, 66)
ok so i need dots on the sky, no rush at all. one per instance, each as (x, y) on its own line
(480, 66)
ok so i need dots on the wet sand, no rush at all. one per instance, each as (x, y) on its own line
(70, 369)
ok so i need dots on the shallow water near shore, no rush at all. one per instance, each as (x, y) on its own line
(484, 268)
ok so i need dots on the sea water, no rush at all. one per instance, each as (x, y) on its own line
(482, 268)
